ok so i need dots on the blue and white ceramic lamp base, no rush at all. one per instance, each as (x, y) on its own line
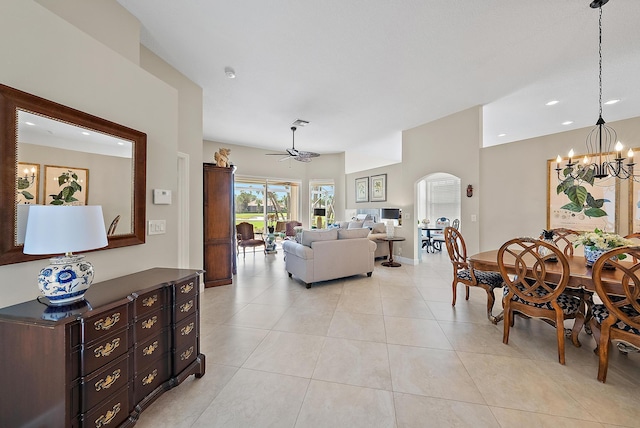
(66, 279)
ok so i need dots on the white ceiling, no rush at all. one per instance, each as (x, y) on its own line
(362, 71)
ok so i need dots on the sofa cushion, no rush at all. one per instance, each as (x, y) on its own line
(355, 225)
(352, 233)
(309, 236)
(343, 224)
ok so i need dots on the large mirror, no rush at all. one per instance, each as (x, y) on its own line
(52, 154)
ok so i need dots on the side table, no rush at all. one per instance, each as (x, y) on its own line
(390, 262)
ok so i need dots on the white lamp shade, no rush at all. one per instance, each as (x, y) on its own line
(60, 229)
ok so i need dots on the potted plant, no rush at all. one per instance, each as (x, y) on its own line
(271, 225)
(598, 242)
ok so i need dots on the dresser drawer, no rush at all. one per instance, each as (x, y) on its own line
(149, 350)
(150, 302)
(185, 308)
(110, 413)
(101, 385)
(186, 289)
(151, 377)
(186, 332)
(150, 324)
(183, 357)
(104, 351)
(104, 323)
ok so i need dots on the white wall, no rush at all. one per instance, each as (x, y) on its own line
(253, 162)
(47, 56)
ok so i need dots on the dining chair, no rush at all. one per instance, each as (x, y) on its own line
(465, 274)
(531, 291)
(618, 317)
(456, 224)
(438, 238)
(246, 238)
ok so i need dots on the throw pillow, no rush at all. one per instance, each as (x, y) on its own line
(368, 224)
(343, 224)
(353, 233)
(309, 236)
(355, 225)
(379, 228)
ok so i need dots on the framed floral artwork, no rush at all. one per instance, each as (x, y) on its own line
(581, 204)
(27, 182)
(362, 189)
(65, 185)
(379, 188)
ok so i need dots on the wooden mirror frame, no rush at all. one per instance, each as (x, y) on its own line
(11, 100)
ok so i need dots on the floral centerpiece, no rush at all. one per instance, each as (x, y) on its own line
(598, 242)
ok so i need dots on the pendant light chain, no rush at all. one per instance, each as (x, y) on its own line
(600, 62)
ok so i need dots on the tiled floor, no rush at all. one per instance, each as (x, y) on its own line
(385, 351)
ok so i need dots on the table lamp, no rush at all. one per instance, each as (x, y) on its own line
(63, 229)
(319, 213)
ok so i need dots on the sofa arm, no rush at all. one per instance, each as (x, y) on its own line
(299, 250)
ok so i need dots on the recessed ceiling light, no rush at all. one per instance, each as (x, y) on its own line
(501, 135)
(85, 133)
(230, 72)
(567, 122)
(611, 102)
(552, 103)
(30, 123)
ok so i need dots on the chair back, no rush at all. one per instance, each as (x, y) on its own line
(245, 230)
(456, 248)
(456, 224)
(628, 296)
(442, 222)
(290, 229)
(564, 239)
(532, 281)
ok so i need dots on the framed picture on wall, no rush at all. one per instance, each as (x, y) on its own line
(65, 185)
(27, 182)
(581, 205)
(362, 189)
(379, 188)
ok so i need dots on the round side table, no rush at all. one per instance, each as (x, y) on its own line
(390, 262)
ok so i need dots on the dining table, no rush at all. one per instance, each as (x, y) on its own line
(428, 242)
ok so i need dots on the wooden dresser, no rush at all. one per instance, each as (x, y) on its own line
(100, 362)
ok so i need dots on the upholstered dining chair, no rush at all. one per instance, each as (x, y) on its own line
(246, 238)
(290, 230)
(531, 292)
(438, 238)
(618, 317)
(463, 273)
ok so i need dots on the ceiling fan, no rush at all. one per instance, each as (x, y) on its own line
(293, 153)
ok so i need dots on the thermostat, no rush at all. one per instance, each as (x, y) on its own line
(161, 197)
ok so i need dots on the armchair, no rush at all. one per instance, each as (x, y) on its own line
(246, 238)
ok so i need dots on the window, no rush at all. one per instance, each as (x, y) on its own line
(264, 202)
(321, 195)
(439, 196)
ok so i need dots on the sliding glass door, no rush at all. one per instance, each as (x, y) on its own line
(264, 202)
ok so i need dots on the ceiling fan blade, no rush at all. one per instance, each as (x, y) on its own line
(308, 154)
(286, 158)
(277, 154)
(292, 152)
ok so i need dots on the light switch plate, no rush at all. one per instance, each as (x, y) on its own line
(156, 227)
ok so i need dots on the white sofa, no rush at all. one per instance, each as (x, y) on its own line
(324, 254)
(376, 232)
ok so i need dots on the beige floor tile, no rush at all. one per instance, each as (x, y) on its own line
(431, 372)
(415, 332)
(219, 312)
(334, 405)
(480, 338)
(413, 308)
(463, 311)
(521, 419)
(354, 362)
(230, 345)
(306, 320)
(277, 296)
(409, 292)
(435, 294)
(318, 300)
(368, 288)
(286, 353)
(350, 325)
(519, 383)
(360, 304)
(414, 411)
(256, 399)
(257, 316)
(180, 407)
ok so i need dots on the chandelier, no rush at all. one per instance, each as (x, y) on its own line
(598, 163)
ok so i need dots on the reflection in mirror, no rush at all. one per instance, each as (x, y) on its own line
(51, 160)
(64, 164)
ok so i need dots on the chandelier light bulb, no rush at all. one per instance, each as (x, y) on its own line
(619, 146)
(585, 160)
(558, 159)
(630, 154)
(571, 154)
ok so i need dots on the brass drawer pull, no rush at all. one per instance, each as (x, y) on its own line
(108, 381)
(149, 301)
(186, 288)
(150, 322)
(150, 377)
(108, 417)
(106, 350)
(150, 349)
(107, 323)
(186, 307)
(186, 354)
(187, 329)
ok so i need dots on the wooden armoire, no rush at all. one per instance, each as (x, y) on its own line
(219, 227)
